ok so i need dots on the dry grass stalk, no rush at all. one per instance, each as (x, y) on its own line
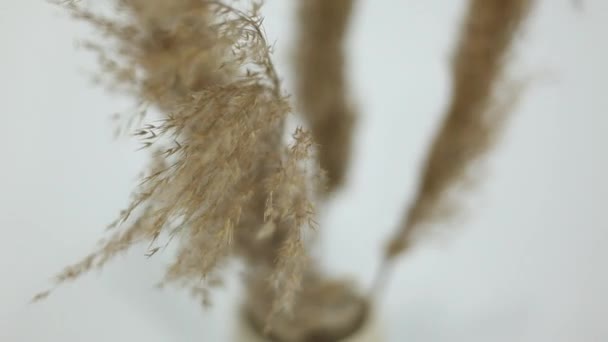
(321, 87)
(473, 119)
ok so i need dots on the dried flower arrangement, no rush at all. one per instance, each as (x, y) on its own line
(226, 184)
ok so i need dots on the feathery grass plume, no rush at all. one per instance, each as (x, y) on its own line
(221, 179)
(321, 86)
(474, 117)
(217, 151)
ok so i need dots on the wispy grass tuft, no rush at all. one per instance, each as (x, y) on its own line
(219, 172)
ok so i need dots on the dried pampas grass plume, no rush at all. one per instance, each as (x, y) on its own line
(474, 117)
(220, 171)
(222, 183)
(321, 84)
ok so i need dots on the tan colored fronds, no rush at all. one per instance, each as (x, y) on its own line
(321, 82)
(222, 183)
(472, 121)
(219, 168)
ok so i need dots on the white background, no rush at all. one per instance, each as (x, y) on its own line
(526, 263)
